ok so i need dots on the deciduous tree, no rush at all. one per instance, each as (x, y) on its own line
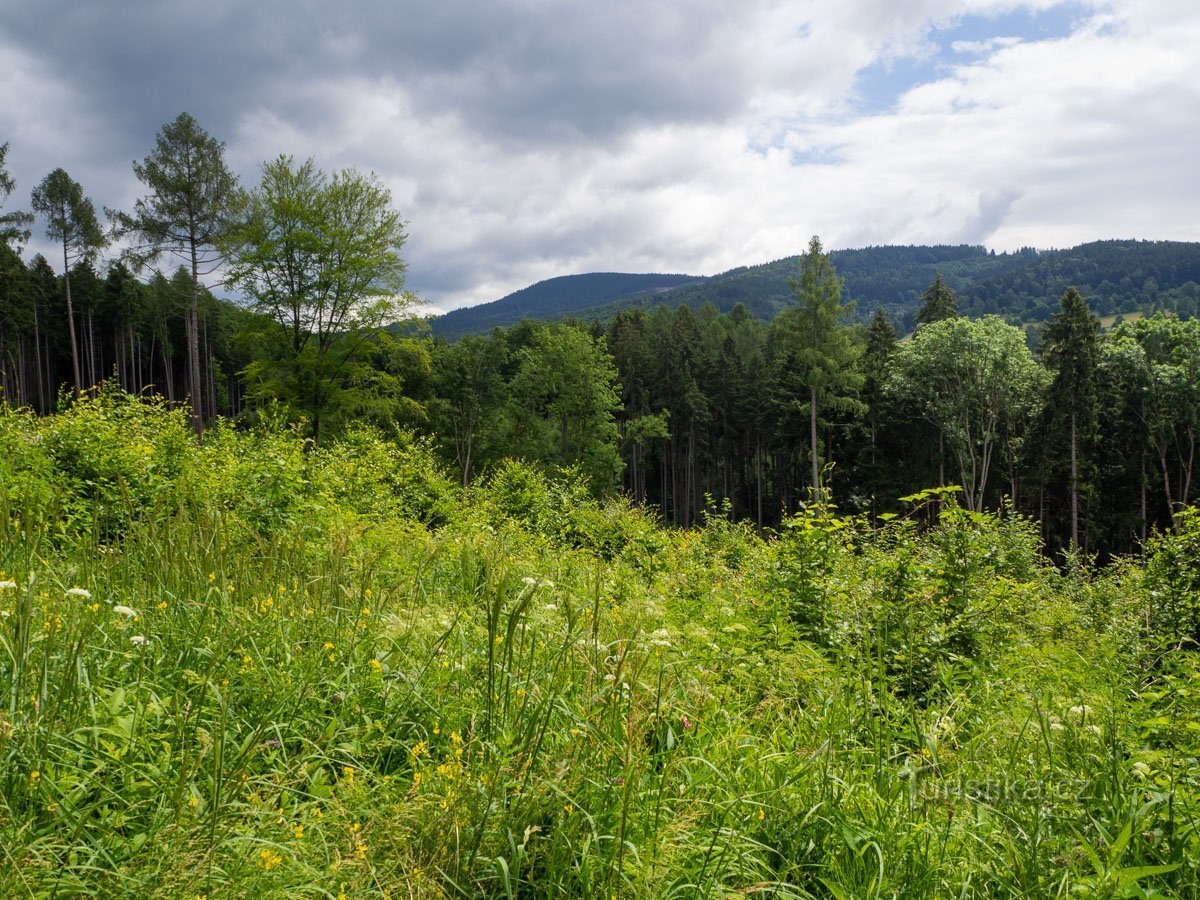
(320, 256)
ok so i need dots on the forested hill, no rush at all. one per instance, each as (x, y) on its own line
(1115, 276)
(557, 298)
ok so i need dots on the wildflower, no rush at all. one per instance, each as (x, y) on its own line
(455, 739)
(35, 776)
(421, 748)
(348, 774)
(376, 665)
(138, 640)
(162, 606)
(530, 581)
(328, 645)
(762, 814)
(298, 831)
(193, 802)
(8, 585)
(685, 722)
(360, 851)
(79, 592)
(126, 611)
(268, 858)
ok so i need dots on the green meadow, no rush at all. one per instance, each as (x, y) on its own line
(252, 667)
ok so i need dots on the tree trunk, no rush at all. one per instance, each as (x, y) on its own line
(812, 426)
(1074, 487)
(194, 346)
(71, 321)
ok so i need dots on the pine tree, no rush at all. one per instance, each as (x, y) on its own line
(70, 219)
(187, 210)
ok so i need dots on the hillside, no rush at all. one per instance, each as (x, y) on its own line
(555, 298)
(1025, 285)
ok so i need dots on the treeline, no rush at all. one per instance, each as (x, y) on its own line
(723, 414)
(693, 412)
(129, 330)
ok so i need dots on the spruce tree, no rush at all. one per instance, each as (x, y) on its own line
(1071, 351)
(822, 348)
(937, 303)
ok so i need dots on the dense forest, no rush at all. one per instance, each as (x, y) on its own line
(687, 409)
(1023, 287)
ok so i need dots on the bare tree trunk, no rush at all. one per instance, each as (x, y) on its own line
(812, 427)
(1074, 488)
(194, 346)
(71, 321)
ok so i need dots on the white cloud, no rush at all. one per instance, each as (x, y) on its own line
(522, 142)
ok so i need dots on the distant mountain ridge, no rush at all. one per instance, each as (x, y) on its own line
(1025, 285)
(555, 298)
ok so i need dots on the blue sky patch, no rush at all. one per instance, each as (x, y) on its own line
(880, 85)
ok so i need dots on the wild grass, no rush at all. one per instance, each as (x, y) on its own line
(251, 669)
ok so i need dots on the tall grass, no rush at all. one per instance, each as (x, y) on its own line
(249, 668)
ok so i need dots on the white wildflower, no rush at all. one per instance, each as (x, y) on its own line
(551, 607)
(79, 592)
(530, 581)
(126, 611)
(138, 640)
(8, 585)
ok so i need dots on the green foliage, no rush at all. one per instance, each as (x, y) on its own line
(319, 257)
(937, 303)
(1173, 583)
(288, 670)
(13, 225)
(976, 382)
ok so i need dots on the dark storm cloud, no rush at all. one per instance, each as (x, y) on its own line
(524, 72)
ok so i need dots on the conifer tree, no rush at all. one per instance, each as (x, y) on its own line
(1072, 353)
(822, 347)
(70, 219)
(187, 210)
(937, 303)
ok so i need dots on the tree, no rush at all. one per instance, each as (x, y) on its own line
(470, 392)
(821, 347)
(937, 303)
(565, 398)
(71, 219)
(975, 381)
(319, 256)
(185, 213)
(1071, 350)
(14, 226)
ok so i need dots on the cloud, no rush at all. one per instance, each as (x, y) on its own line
(528, 139)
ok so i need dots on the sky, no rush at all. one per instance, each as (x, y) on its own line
(524, 139)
